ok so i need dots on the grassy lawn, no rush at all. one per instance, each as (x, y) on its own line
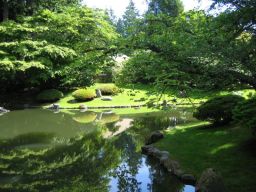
(141, 94)
(199, 146)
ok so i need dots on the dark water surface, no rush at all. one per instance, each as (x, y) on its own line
(41, 150)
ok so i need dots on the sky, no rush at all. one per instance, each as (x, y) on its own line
(119, 5)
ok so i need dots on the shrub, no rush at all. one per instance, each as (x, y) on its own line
(219, 109)
(108, 89)
(244, 113)
(49, 95)
(84, 94)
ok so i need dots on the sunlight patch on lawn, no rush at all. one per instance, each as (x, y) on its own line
(222, 147)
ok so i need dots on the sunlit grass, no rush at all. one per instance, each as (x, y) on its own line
(137, 95)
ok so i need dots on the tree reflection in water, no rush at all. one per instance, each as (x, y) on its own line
(80, 156)
(80, 165)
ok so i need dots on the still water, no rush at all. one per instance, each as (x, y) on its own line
(41, 150)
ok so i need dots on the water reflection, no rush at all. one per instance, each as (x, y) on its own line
(73, 151)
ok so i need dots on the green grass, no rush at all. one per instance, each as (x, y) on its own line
(137, 95)
(199, 146)
(131, 95)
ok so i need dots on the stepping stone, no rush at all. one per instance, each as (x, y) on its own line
(106, 99)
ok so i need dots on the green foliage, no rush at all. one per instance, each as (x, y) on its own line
(49, 95)
(84, 94)
(68, 47)
(126, 26)
(108, 89)
(168, 7)
(244, 113)
(15, 8)
(219, 109)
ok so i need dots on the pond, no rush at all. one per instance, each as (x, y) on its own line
(43, 150)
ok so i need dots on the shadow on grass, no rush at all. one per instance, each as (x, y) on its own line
(249, 146)
(198, 147)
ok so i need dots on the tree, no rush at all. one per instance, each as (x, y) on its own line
(167, 7)
(10, 9)
(67, 47)
(172, 49)
(128, 23)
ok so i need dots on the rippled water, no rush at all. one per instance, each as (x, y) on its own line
(41, 150)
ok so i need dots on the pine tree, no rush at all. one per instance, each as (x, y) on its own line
(168, 7)
(129, 19)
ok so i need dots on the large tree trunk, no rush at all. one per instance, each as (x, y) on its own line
(5, 10)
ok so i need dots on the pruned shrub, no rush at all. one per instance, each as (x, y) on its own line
(49, 95)
(219, 109)
(244, 113)
(108, 89)
(84, 94)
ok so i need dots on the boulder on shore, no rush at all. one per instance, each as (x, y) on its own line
(210, 181)
(154, 137)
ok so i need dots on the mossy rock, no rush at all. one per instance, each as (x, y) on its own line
(84, 94)
(86, 117)
(49, 95)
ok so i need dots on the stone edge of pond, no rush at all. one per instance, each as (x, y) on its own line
(169, 164)
(209, 180)
(57, 106)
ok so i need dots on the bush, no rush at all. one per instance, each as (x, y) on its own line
(219, 109)
(84, 94)
(244, 113)
(108, 89)
(49, 95)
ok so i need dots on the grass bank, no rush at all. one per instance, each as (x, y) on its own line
(227, 149)
(141, 94)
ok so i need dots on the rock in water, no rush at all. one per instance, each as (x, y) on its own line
(54, 106)
(98, 93)
(106, 99)
(154, 137)
(210, 181)
(188, 179)
(82, 106)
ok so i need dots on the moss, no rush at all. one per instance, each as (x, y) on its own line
(49, 95)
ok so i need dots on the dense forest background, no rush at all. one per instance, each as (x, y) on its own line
(62, 44)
